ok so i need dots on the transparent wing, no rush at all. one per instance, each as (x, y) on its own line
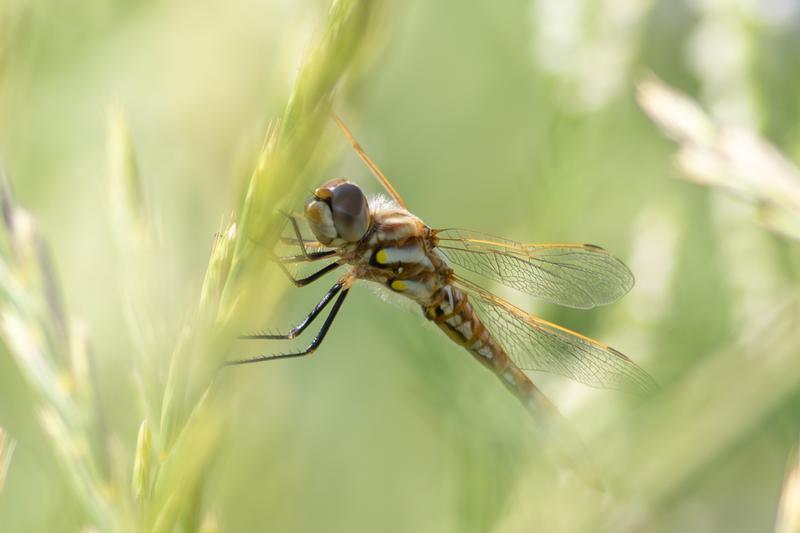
(574, 275)
(381, 177)
(536, 344)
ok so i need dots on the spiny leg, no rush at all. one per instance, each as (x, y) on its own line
(311, 256)
(308, 243)
(296, 240)
(305, 256)
(302, 282)
(298, 329)
(311, 347)
(299, 236)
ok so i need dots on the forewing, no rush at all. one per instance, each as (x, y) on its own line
(381, 177)
(536, 344)
(574, 275)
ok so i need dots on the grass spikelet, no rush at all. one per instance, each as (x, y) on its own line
(730, 158)
(297, 147)
(54, 362)
(788, 519)
(140, 480)
(293, 147)
(189, 427)
(708, 432)
(182, 472)
(74, 452)
(210, 524)
(141, 257)
(6, 453)
(128, 205)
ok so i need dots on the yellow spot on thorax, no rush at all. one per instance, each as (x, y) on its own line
(398, 285)
(382, 257)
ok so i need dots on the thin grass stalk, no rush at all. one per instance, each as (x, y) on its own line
(11, 13)
(192, 415)
(788, 519)
(702, 410)
(140, 479)
(730, 158)
(7, 446)
(54, 362)
(294, 147)
(136, 231)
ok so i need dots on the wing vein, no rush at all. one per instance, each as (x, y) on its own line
(536, 344)
(574, 275)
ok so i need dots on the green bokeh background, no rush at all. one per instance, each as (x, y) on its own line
(390, 427)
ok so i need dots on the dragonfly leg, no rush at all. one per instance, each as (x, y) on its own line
(305, 256)
(310, 256)
(298, 329)
(302, 282)
(311, 347)
(298, 236)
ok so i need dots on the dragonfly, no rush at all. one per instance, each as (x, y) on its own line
(381, 241)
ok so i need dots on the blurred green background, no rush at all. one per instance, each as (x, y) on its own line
(516, 118)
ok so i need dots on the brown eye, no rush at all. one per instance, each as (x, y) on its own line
(350, 211)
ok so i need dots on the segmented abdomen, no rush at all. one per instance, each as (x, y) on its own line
(452, 312)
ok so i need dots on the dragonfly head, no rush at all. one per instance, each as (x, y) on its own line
(338, 211)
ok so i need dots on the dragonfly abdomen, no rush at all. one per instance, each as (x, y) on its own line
(453, 313)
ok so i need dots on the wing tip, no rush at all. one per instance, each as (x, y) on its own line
(626, 277)
(639, 380)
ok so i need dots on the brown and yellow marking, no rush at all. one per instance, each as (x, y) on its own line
(477, 330)
(323, 193)
(382, 257)
(458, 307)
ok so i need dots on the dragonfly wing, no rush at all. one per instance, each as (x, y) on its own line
(381, 177)
(536, 344)
(574, 275)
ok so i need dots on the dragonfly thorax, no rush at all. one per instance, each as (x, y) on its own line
(398, 253)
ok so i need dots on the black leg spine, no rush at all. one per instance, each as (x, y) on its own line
(311, 347)
(298, 329)
(302, 282)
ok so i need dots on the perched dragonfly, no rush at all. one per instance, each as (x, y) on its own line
(386, 244)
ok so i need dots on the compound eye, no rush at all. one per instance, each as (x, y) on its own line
(350, 211)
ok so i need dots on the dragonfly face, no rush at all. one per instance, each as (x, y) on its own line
(338, 213)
